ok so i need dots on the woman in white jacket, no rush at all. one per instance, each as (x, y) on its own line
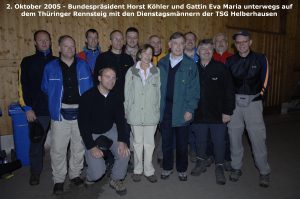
(142, 103)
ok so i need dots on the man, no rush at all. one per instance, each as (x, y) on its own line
(190, 46)
(92, 49)
(64, 80)
(33, 100)
(132, 42)
(214, 109)
(221, 48)
(102, 104)
(179, 97)
(155, 42)
(221, 54)
(250, 74)
(120, 62)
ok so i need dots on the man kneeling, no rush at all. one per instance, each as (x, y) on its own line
(101, 113)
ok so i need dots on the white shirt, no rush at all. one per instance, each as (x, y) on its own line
(142, 72)
(175, 61)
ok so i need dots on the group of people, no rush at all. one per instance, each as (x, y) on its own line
(106, 107)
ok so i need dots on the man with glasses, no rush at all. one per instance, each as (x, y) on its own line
(250, 72)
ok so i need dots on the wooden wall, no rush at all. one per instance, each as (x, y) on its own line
(16, 38)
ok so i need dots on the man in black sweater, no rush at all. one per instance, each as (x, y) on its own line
(101, 113)
(215, 106)
(33, 100)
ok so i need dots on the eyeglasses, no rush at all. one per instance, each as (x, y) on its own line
(241, 42)
(110, 77)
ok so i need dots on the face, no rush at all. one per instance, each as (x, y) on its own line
(132, 39)
(205, 52)
(42, 42)
(107, 79)
(242, 44)
(220, 44)
(146, 56)
(117, 41)
(190, 42)
(155, 42)
(177, 46)
(67, 48)
(92, 40)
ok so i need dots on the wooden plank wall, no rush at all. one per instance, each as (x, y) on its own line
(16, 38)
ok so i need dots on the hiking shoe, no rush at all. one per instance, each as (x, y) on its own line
(34, 179)
(152, 178)
(219, 172)
(58, 188)
(77, 181)
(136, 177)
(199, 168)
(227, 166)
(165, 174)
(264, 180)
(118, 186)
(235, 175)
(182, 176)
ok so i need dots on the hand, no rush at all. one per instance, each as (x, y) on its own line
(187, 116)
(96, 152)
(30, 115)
(123, 150)
(226, 118)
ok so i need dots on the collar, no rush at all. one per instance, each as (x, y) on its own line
(44, 53)
(175, 61)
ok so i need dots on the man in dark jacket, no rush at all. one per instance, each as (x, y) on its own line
(250, 75)
(215, 106)
(33, 100)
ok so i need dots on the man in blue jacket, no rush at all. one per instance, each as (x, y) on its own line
(64, 81)
(179, 98)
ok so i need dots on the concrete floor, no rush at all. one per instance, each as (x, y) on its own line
(283, 133)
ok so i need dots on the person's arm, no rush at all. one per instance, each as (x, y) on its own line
(229, 97)
(84, 121)
(128, 92)
(193, 92)
(265, 76)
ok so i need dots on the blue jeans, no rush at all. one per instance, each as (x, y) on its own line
(168, 133)
(217, 133)
(36, 150)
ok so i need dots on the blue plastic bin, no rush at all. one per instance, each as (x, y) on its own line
(21, 133)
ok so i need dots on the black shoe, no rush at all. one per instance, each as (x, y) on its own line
(58, 188)
(199, 168)
(77, 181)
(34, 179)
(182, 176)
(220, 177)
(264, 180)
(235, 175)
(165, 174)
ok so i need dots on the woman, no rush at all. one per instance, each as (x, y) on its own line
(142, 103)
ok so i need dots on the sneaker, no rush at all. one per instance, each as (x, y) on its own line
(77, 181)
(220, 177)
(152, 178)
(264, 180)
(227, 166)
(118, 186)
(235, 175)
(34, 179)
(58, 188)
(165, 174)
(199, 168)
(136, 177)
(182, 176)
